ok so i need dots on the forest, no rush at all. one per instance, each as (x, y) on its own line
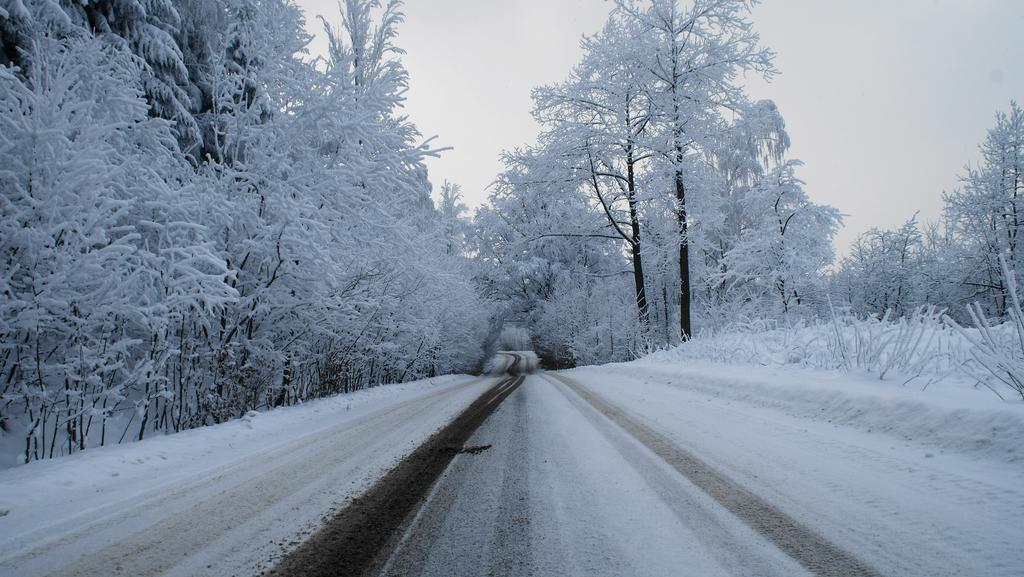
(200, 219)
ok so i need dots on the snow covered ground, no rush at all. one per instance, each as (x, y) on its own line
(911, 482)
(219, 500)
(881, 479)
(562, 491)
(894, 478)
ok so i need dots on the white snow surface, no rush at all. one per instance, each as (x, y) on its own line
(912, 482)
(219, 500)
(562, 491)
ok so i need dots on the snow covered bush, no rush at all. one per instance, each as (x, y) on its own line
(197, 221)
(919, 348)
(101, 251)
(998, 349)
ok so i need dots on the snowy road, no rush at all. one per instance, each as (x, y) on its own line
(563, 491)
(905, 504)
(618, 470)
(234, 512)
(615, 472)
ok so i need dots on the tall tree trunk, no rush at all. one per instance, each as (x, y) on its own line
(684, 249)
(684, 241)
(638, 273)
(633, 237)
(634, 245)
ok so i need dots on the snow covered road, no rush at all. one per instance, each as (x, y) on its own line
(618, 470)
(563, 491)
(224, 500)
(905, 503)
(627, 471)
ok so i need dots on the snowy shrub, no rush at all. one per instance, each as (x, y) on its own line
(915, 345)
(998, 349)
(920, 347)
(101, 255)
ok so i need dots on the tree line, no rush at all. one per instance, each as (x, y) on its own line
(199, 219)
(657, 171)
(660, 200)
(954, 261)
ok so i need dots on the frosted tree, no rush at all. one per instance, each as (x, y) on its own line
(882, 274)
(751, 148)
(148, 28)
(654, 144)
(954, 262)
(572, 291)
(452, 214)
(986, 214)
(102, 254)
(694, 56)
(786, 242)
(16, 22)
(153, 285)
(597, 120)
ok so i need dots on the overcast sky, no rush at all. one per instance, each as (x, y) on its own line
(885, 101)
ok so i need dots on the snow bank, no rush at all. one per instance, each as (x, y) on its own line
(919, 351)
(92, 478)
(947, 417)
(915, 378)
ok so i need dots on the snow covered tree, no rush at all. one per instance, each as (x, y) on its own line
(881, 275)
(102, 252)
(654, 144)
(752, 147)
(571, 289)
(787, 244)
(986, 214)
(693, 55)
(151, 284)
(596, 120)
(148, 28)
(452, 214)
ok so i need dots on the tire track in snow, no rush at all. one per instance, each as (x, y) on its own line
(564, 491)
(513, 533)
(498, 541)
(814, 552)
(884, 500)
(357, 541)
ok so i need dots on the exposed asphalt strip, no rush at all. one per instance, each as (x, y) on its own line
(358, 539)
(811, 550)
(512, 369)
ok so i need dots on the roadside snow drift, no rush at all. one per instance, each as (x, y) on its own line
(222, 500)
(911, 481)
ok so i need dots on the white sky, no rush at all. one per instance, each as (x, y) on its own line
(885, 101)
